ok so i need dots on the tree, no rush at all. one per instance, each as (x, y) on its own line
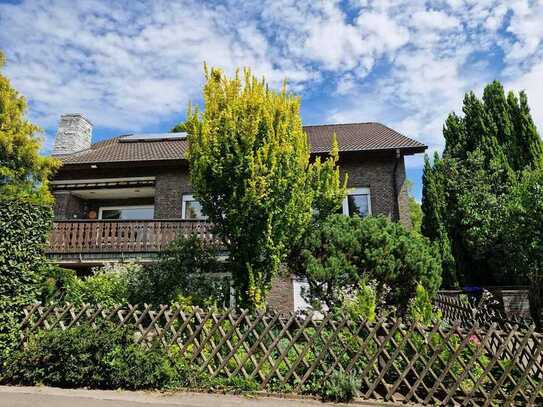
(415, 210)
(251, 171)
(524, 226)
(434, 220)
(179, 128)
(464, 192)
(343, 253)
(23, 171)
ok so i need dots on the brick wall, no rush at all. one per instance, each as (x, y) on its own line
(170, 186)
(377, 173)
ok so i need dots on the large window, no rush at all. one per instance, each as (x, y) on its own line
(357, 202)
(127, 212)
(192, 209)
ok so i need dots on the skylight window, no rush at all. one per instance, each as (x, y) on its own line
(154, 137)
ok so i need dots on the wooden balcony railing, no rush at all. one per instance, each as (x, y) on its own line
(121, 236)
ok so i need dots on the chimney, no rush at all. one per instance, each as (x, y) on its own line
(74, 134)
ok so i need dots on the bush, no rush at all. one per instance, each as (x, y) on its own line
(135, 367)
(109, 285)
(105, 357)
(340, 387)
(343, 251)
(54, 284)
(188, 271)
(23, 233)
(421, 308)
(362, 305)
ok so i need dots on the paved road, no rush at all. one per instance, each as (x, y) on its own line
(53, 397)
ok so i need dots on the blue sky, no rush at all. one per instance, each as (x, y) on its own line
(135, 65)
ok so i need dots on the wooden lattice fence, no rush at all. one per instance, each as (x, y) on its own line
(393, 360)
(456, 307)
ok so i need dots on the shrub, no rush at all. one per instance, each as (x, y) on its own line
(24, 226)
(343, 251)
(363, 304)
(340, 387)
(421, 308)
(109, 285)
(105, 357)
(70, 358)
(188, 271)
(135, 367)
(54, 284)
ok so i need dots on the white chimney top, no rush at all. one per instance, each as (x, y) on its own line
(74, 134)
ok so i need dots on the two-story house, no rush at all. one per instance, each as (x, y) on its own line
(128, 196)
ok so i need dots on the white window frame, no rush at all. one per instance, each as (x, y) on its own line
(187, 198)
(356, 191)
(107, 208)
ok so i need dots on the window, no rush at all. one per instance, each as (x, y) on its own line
(126, 212)
(357, 202)
(192, 209)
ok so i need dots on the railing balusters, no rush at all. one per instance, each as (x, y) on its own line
(98, 236)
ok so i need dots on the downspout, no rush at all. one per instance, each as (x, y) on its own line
(395, 184)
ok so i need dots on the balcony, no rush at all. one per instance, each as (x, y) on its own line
(88, 241)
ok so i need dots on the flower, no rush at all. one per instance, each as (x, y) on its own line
(475, 340)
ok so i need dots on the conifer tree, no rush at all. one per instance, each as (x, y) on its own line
(464, 193)
(251, 171)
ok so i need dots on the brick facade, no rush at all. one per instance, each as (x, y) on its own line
(377, 173)
(170, 186)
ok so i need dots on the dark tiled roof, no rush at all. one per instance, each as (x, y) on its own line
(359, 137)
(114, 151)
(351, 137)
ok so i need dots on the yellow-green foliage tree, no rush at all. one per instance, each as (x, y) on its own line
(23, 171)
(251, 171)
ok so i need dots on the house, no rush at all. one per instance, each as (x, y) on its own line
(128, 196)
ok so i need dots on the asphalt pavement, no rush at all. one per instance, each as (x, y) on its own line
(54, 397)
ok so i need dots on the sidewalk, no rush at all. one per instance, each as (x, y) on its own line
(54, 397)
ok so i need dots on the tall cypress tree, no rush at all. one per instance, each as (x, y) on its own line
(485, 151)
(434, 222)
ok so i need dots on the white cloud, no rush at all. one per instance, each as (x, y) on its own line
(434, 20)
(130, 65)
(532, 83)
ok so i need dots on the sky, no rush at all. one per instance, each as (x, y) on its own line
(134, 66)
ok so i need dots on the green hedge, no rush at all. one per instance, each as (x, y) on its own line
(23, 232)
(82, 356)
